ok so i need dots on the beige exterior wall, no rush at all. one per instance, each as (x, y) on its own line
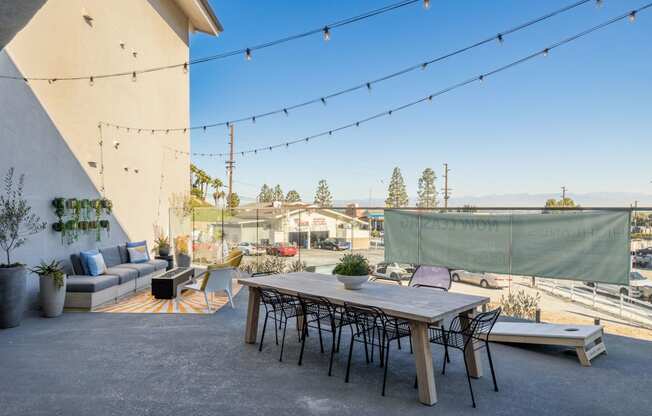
(59, 41)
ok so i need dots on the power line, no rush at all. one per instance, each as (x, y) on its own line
(247, 51)
(500, 37)
(480, 78)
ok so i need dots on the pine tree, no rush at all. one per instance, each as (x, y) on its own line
(265, 194)
(277, 194)
(396, 194)
(323, 197)
(427, 193)
(293, 196)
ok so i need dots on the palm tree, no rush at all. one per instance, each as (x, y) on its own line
(217, 186)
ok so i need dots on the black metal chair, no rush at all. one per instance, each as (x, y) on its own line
(317, 310)
(467, 334)
(280, 307)
(371, 326)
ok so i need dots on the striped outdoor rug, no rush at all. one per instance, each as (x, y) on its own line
(190, 302)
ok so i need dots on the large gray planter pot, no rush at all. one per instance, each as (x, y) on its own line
(51, 297)
(13, 294)
(183, 260)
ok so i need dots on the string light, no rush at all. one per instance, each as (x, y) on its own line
(500, 38)
(546, 52)
(632, 16)
(369, 87)
(426, 4)
(133, 76)
(248, 54)
(327, 33)
(185, 67)
(91, 81)
(443, 91)
(598, 3)
(323, 100)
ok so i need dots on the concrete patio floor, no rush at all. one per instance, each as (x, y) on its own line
(114, 364)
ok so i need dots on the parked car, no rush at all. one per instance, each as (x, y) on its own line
(282, 250)
(639, 287)
(332, 244)
(392, 271)
(251, 249)
(485, 280)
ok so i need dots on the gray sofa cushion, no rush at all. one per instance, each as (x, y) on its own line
(76, 262)
(124, 254)
(111, 256)
(143, 268)
(90, 284)
(124, 274)
(158, 264)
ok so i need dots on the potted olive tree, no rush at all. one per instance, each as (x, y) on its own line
(162, 245)
(52, 288)
(17, 222)
(181, 251)
(352, 271)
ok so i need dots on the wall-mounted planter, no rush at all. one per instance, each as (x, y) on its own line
(96, 203)
(59, 203)
(92, 225)
(85, 203)
(72, 203)
(104, 224)
(83, 225)
(58, 226)
(71, 225)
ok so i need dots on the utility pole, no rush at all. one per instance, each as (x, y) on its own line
(563, 194)
(446, 188)
(229, 165)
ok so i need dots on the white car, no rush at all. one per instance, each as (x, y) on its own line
(251, 249)
(392, 271)
(639, 287)
(485, 280)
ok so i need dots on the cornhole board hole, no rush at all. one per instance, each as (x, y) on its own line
(587, 339)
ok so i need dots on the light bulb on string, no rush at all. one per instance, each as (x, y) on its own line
(500, 38)
(369, 87)
(598, 3)
(424, 66)
(91, 81)
(481, 78)
(323, 100)
(285, 111)
(327, 33)
(133, 76)
(546, 52)
(632, 16)
(253, 119)
(426, 4)
(248, 54)
(185, 67)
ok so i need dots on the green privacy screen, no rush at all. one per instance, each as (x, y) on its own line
(588, 246)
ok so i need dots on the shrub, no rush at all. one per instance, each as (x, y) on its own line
(520, 304)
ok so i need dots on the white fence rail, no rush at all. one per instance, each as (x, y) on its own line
(625, 307)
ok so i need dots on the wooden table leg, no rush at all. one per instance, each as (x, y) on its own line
(472, 356)
(251, 330)
(423, 358)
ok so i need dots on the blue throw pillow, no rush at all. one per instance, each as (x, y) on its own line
(96, 265)
(143, 253)
(85, 255)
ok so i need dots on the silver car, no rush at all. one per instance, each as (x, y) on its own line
(486, 280)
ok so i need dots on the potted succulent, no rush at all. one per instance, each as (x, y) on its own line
(72, 203)
(181, 251)
(17, 222)
(52, 288)
(92, 225)
(83, 225)
(162, 245)
(352, 271)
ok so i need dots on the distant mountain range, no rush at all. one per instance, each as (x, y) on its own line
(593, 199)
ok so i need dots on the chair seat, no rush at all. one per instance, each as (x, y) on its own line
(451, 338)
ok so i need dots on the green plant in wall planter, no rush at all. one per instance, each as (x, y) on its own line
(83, 225)
(97, 206)
(72, 203)
(105, 225)
(107, 205)
(70, 231)
(59, 210)
(86, 208)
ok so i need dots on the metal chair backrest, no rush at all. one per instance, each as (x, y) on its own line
(365, 316)
(432, 277)
(477, 328)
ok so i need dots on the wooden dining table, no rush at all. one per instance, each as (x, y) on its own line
(419, 306)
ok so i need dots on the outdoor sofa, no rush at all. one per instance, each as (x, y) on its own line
(121, 278)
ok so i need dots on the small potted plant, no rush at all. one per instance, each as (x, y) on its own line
(162, 245)
(181, 251)
(52, 288)
(17, 222)
(72, 203)
(352, 271)
(83, 225)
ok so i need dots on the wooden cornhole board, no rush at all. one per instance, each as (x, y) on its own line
(587, 339)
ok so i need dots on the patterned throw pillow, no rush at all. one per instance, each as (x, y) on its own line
(138, 254)
(96, 264)
(141, 245)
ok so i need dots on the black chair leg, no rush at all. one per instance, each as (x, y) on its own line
(386, 366)
(468, 378)
(285, 327)
(321, 343)
(366, 349)
(276, 329)
(339, 338)
(303, 345)
(491, 366)
(262, 337)
(330, 364)
(410, 338)
(416, 382)
(348, 364)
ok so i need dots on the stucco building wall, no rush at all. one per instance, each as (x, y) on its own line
(49, 131)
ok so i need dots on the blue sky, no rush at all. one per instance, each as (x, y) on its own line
(579, 117)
